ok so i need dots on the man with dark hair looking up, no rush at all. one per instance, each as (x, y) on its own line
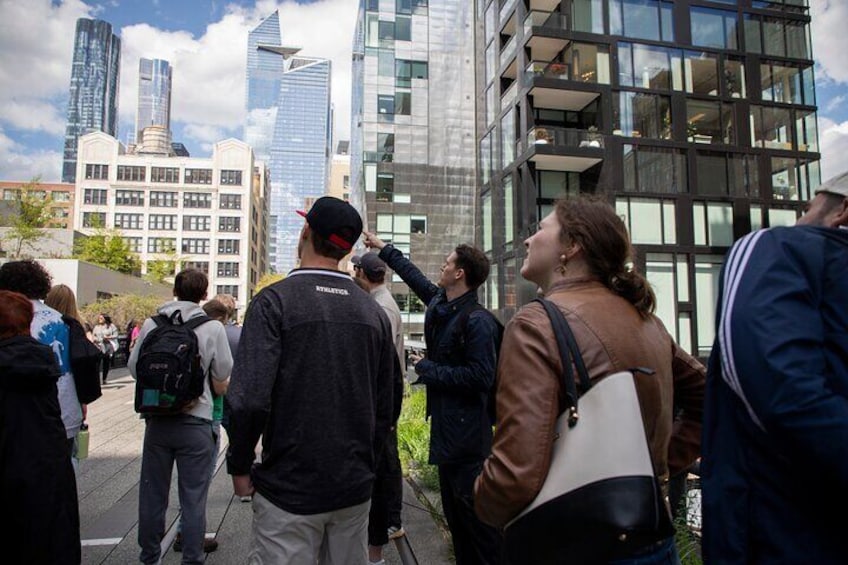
(314, 378)
(462, 344)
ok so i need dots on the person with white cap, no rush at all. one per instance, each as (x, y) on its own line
(313, 378)
(775, 442)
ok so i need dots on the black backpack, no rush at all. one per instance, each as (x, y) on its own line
(169, 372)
(462, 330)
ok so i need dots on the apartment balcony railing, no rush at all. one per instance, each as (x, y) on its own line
(562, 71)
(506, 9)
(545, 20)
(510, 95)
(509, 50)
(564, 137)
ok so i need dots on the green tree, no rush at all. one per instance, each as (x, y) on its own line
(107, 248)
(122, 309)
(267, 280)
(163, 270)
(30, 219)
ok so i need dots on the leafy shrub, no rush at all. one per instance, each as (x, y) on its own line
(414, 439)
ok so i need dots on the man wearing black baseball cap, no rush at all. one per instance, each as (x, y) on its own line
(313, 377)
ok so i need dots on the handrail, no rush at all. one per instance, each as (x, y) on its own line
(567, 137)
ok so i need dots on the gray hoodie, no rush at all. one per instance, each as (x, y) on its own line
(214, 351)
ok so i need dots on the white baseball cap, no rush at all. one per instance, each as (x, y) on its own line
(837, 185)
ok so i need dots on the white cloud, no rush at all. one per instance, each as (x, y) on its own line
(208, 92)
(19, 163)
(37, 42)
(33, 114)
(833, 138)
(830, 42)
(209, 71)
(834, 103)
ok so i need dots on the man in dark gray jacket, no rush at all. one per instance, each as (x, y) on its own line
(313, 377)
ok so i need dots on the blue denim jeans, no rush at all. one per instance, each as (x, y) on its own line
(665, 554)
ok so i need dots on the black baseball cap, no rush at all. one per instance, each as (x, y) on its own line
(370, 263)
(335, 220)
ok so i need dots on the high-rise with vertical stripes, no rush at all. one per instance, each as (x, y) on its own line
(289, 127)
(95, 75)
(154, 95)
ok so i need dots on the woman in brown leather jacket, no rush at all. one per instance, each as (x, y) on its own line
(581, 260)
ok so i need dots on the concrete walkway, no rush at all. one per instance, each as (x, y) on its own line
(108, 493)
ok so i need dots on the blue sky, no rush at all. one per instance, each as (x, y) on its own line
(205, 41)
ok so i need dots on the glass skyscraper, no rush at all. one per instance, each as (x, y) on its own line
(412, 131)
(696, 119)
(289, 127)
(154, 95)
(93, 101)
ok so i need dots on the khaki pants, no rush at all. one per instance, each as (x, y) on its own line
(332, 538)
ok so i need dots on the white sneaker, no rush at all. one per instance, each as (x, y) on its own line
(380, 562)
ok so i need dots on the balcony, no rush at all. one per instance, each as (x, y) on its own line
(564, 149)
(510, 95)
(508, 18)
(542, 78)
(545, 32)
(544, 5)
(507, 59)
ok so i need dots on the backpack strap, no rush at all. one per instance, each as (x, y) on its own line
(197, 321)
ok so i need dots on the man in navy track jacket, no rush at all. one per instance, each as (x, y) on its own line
(775, 443)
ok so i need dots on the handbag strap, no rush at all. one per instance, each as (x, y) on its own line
(568, 351)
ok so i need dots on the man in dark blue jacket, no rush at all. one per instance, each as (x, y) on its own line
(775, 442)
(462, 341)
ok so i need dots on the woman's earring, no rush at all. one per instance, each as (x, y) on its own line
(563, 262)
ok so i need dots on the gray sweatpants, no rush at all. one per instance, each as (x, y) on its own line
(331, 538)
(190, 442)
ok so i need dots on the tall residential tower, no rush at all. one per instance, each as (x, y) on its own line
(154, 95)
(93, 101)
(412, 131)
(696, 119)
(289, 127)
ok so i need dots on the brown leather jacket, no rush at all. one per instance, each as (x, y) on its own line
(612, 337)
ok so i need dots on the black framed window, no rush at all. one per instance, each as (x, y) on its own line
(197, 223)
(94, 196)
(129, 221)
(131, 173)
(159, 199)
(129, 197)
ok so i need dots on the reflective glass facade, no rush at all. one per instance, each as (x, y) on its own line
(289, 126)
(93, 100)
(154, 95)
(696, 119)
(412, 131)
(300, 153)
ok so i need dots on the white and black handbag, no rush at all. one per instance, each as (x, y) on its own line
(600, 499)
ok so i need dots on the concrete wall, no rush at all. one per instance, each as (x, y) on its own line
(55, 243)
(90, 282)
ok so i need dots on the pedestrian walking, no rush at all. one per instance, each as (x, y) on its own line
(106, 338)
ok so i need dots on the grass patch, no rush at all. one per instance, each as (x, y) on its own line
(414, 439)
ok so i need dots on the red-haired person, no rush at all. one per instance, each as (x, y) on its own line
(38, 491)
